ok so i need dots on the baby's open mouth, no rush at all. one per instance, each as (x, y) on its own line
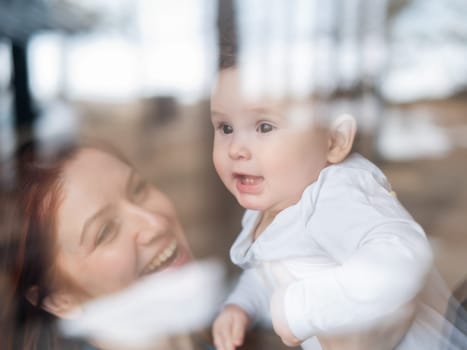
(163, 259)
(249, 180)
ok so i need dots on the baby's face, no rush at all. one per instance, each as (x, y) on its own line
(265, 151)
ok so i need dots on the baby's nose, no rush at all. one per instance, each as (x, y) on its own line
(238, 149)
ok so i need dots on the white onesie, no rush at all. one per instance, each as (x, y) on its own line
(345, 256)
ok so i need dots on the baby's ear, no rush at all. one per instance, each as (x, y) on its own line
(341, 137)
(59, 304)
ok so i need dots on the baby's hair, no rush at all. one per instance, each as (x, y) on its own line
(322, 110)
(227, 57)
(227, 39)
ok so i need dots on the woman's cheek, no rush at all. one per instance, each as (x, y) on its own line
(119, 266)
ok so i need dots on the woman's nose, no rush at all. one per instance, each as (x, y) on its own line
(146, 236)
(239, 148)
(148, 225)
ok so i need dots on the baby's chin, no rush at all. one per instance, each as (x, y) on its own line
(262, 206)
(251, 204)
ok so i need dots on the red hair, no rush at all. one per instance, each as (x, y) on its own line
(28, 248)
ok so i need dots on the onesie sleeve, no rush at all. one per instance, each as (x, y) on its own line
(251, 295)
(382, 260)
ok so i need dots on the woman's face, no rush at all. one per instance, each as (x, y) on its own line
(113, 227)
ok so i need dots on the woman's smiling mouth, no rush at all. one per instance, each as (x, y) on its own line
(163, 259)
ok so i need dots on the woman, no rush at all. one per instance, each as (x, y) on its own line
(81, 224)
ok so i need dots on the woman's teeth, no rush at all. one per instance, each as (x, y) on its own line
(163, 257)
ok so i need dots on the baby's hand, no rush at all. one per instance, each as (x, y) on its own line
(229, 328)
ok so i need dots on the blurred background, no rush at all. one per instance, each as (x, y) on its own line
(137, 74)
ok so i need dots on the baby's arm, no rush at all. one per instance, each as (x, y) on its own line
(284, 273)
(384, 273)
(386, 334)
(279, 321)
(247, 303)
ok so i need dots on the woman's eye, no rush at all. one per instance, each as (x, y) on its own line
(226, 128)
(265, 128)
(107, 232)
(139, 191)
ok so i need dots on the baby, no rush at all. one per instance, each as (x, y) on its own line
(326, 247)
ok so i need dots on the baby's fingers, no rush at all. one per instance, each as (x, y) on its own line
(238, 333)
(223, 341)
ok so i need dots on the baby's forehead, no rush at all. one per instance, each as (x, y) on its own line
(288, 107)
(283, 103)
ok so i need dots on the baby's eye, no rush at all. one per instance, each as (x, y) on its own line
(226, 128)
(264, 128)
